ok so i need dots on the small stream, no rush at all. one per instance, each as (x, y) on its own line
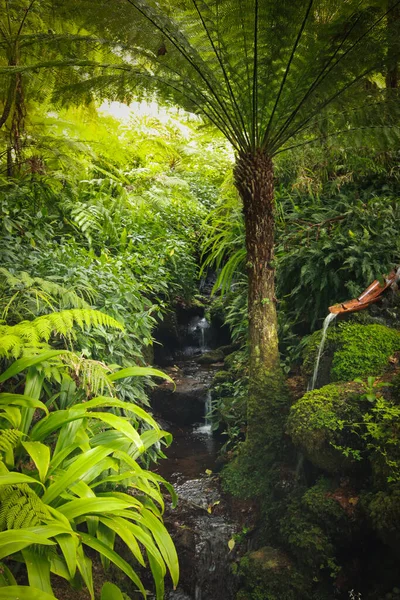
(199, 525)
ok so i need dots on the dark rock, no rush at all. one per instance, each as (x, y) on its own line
(183, 406)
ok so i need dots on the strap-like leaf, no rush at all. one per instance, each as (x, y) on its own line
(40, 454)
(24, 592)
(23, 363)
(92, 542)
(38, 567)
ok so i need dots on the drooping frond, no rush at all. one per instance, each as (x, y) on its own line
(91, 374)
(31, 336)
(260, 71)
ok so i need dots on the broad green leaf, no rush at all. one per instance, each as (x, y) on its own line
(52, 422)
(68, 545)
(139, 372)
(85, 569)
(59, 567)
(107, 536)
(95, 544)
(12, 414)
(75, 472)
(21, 400)
(38, 567)
(13, 540)
(23, 363)
(6, 577)
(114, 402)
(158, 576)
(24, 592)
(109, 591)
(164, 543)
(40, 454)
(121, 425)
(118, 526)
(15, 478)
(90, 506)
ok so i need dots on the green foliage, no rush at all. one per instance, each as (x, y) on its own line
(333, 245)
(383, 510)
(29, 337)
(69, 490)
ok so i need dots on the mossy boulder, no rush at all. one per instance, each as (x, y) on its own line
(353, 350)
(211, 357)
(269, 574)
(320, 423)
(383, 510)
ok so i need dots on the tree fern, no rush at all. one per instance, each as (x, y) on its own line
(30, 337)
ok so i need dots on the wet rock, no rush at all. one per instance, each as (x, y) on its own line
(213, 356)
(183, 406)
(201, 534)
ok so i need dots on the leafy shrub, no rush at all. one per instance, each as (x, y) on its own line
(62, 488)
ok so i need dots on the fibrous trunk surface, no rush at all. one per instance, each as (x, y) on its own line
(254, 180)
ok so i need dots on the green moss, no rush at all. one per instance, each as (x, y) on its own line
(383, 509)
(321, 420)
(269, 574)
(221, 377)
(319, 502)
(364, 350)
(358, 350)
(213, 356)
(308, 541)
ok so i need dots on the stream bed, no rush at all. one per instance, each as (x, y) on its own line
(200, 525)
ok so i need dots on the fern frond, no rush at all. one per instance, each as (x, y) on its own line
(9, 440)
(28, 336)
(23, 296)
(21, 507)
(91, 374)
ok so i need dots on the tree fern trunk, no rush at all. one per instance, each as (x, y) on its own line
(254, 181)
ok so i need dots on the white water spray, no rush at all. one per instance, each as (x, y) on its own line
(327, 322)
(206, 427)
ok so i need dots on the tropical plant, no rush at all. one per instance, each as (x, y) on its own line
(293, 65)
(62, 488)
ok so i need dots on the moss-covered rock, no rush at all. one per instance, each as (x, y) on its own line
(320, 423)
(353, 350)
(213, 356)
(269, 574)
(383, 510)
(221, 377)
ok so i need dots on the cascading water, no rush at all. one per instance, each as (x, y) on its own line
(205, 428)
(327, 322)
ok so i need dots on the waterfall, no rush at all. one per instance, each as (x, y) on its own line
(203, 324)
(328, 320)
(206, 427)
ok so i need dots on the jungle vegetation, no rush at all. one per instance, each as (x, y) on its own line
(261, 141)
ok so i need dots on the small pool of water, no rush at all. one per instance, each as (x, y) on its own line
(193, 451)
